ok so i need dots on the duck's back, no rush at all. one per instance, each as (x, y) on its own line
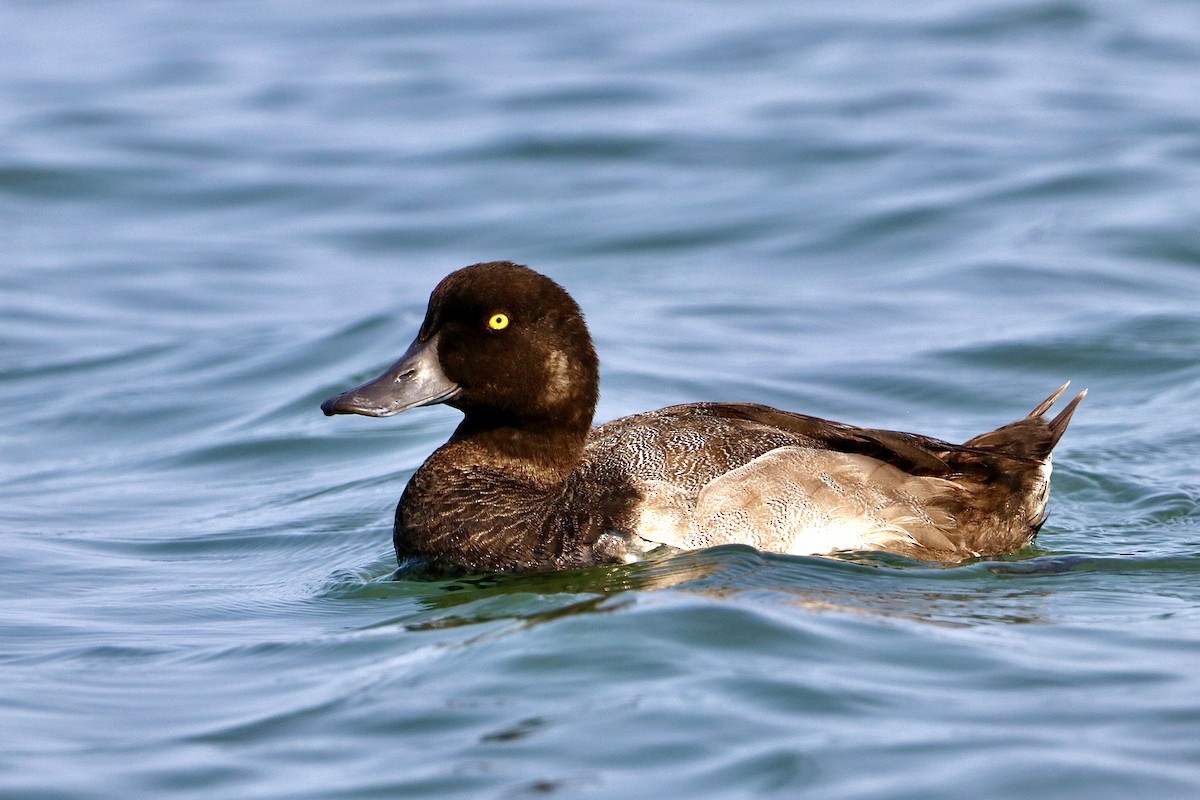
(685, 446)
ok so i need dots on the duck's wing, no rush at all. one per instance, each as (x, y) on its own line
(910, 452)
(715, 473)
(723, 473)
(844, 487)
(805, 501)
(1029, 439)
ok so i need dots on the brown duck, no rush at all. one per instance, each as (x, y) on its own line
(526, 482)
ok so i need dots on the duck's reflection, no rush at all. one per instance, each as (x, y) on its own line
(861, 584)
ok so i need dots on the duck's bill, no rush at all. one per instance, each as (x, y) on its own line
(415, 380)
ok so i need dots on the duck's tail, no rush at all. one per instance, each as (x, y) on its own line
(1058, 425)
(1032, 437)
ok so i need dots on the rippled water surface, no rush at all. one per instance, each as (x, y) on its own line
(922, 217)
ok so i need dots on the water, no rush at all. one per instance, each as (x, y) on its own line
(216, 215)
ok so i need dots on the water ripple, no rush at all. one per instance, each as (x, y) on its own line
(909, 217)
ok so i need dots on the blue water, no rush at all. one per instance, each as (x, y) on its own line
(926, 217)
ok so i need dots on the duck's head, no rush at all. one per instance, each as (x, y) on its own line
(504, 344)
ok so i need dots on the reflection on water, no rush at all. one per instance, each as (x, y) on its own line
(868, 583)
(875, 584)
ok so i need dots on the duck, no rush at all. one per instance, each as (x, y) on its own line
(526, 483)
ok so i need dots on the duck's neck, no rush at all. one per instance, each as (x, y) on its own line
(545, 450)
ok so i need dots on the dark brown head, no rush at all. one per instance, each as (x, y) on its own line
(501, 342)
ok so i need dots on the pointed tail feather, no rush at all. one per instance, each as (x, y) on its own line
(1045, 405)
(1030, 438)
(1058, 425)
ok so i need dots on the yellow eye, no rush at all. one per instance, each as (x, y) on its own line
(498, 322)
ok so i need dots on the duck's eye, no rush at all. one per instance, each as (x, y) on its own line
(498, 322)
